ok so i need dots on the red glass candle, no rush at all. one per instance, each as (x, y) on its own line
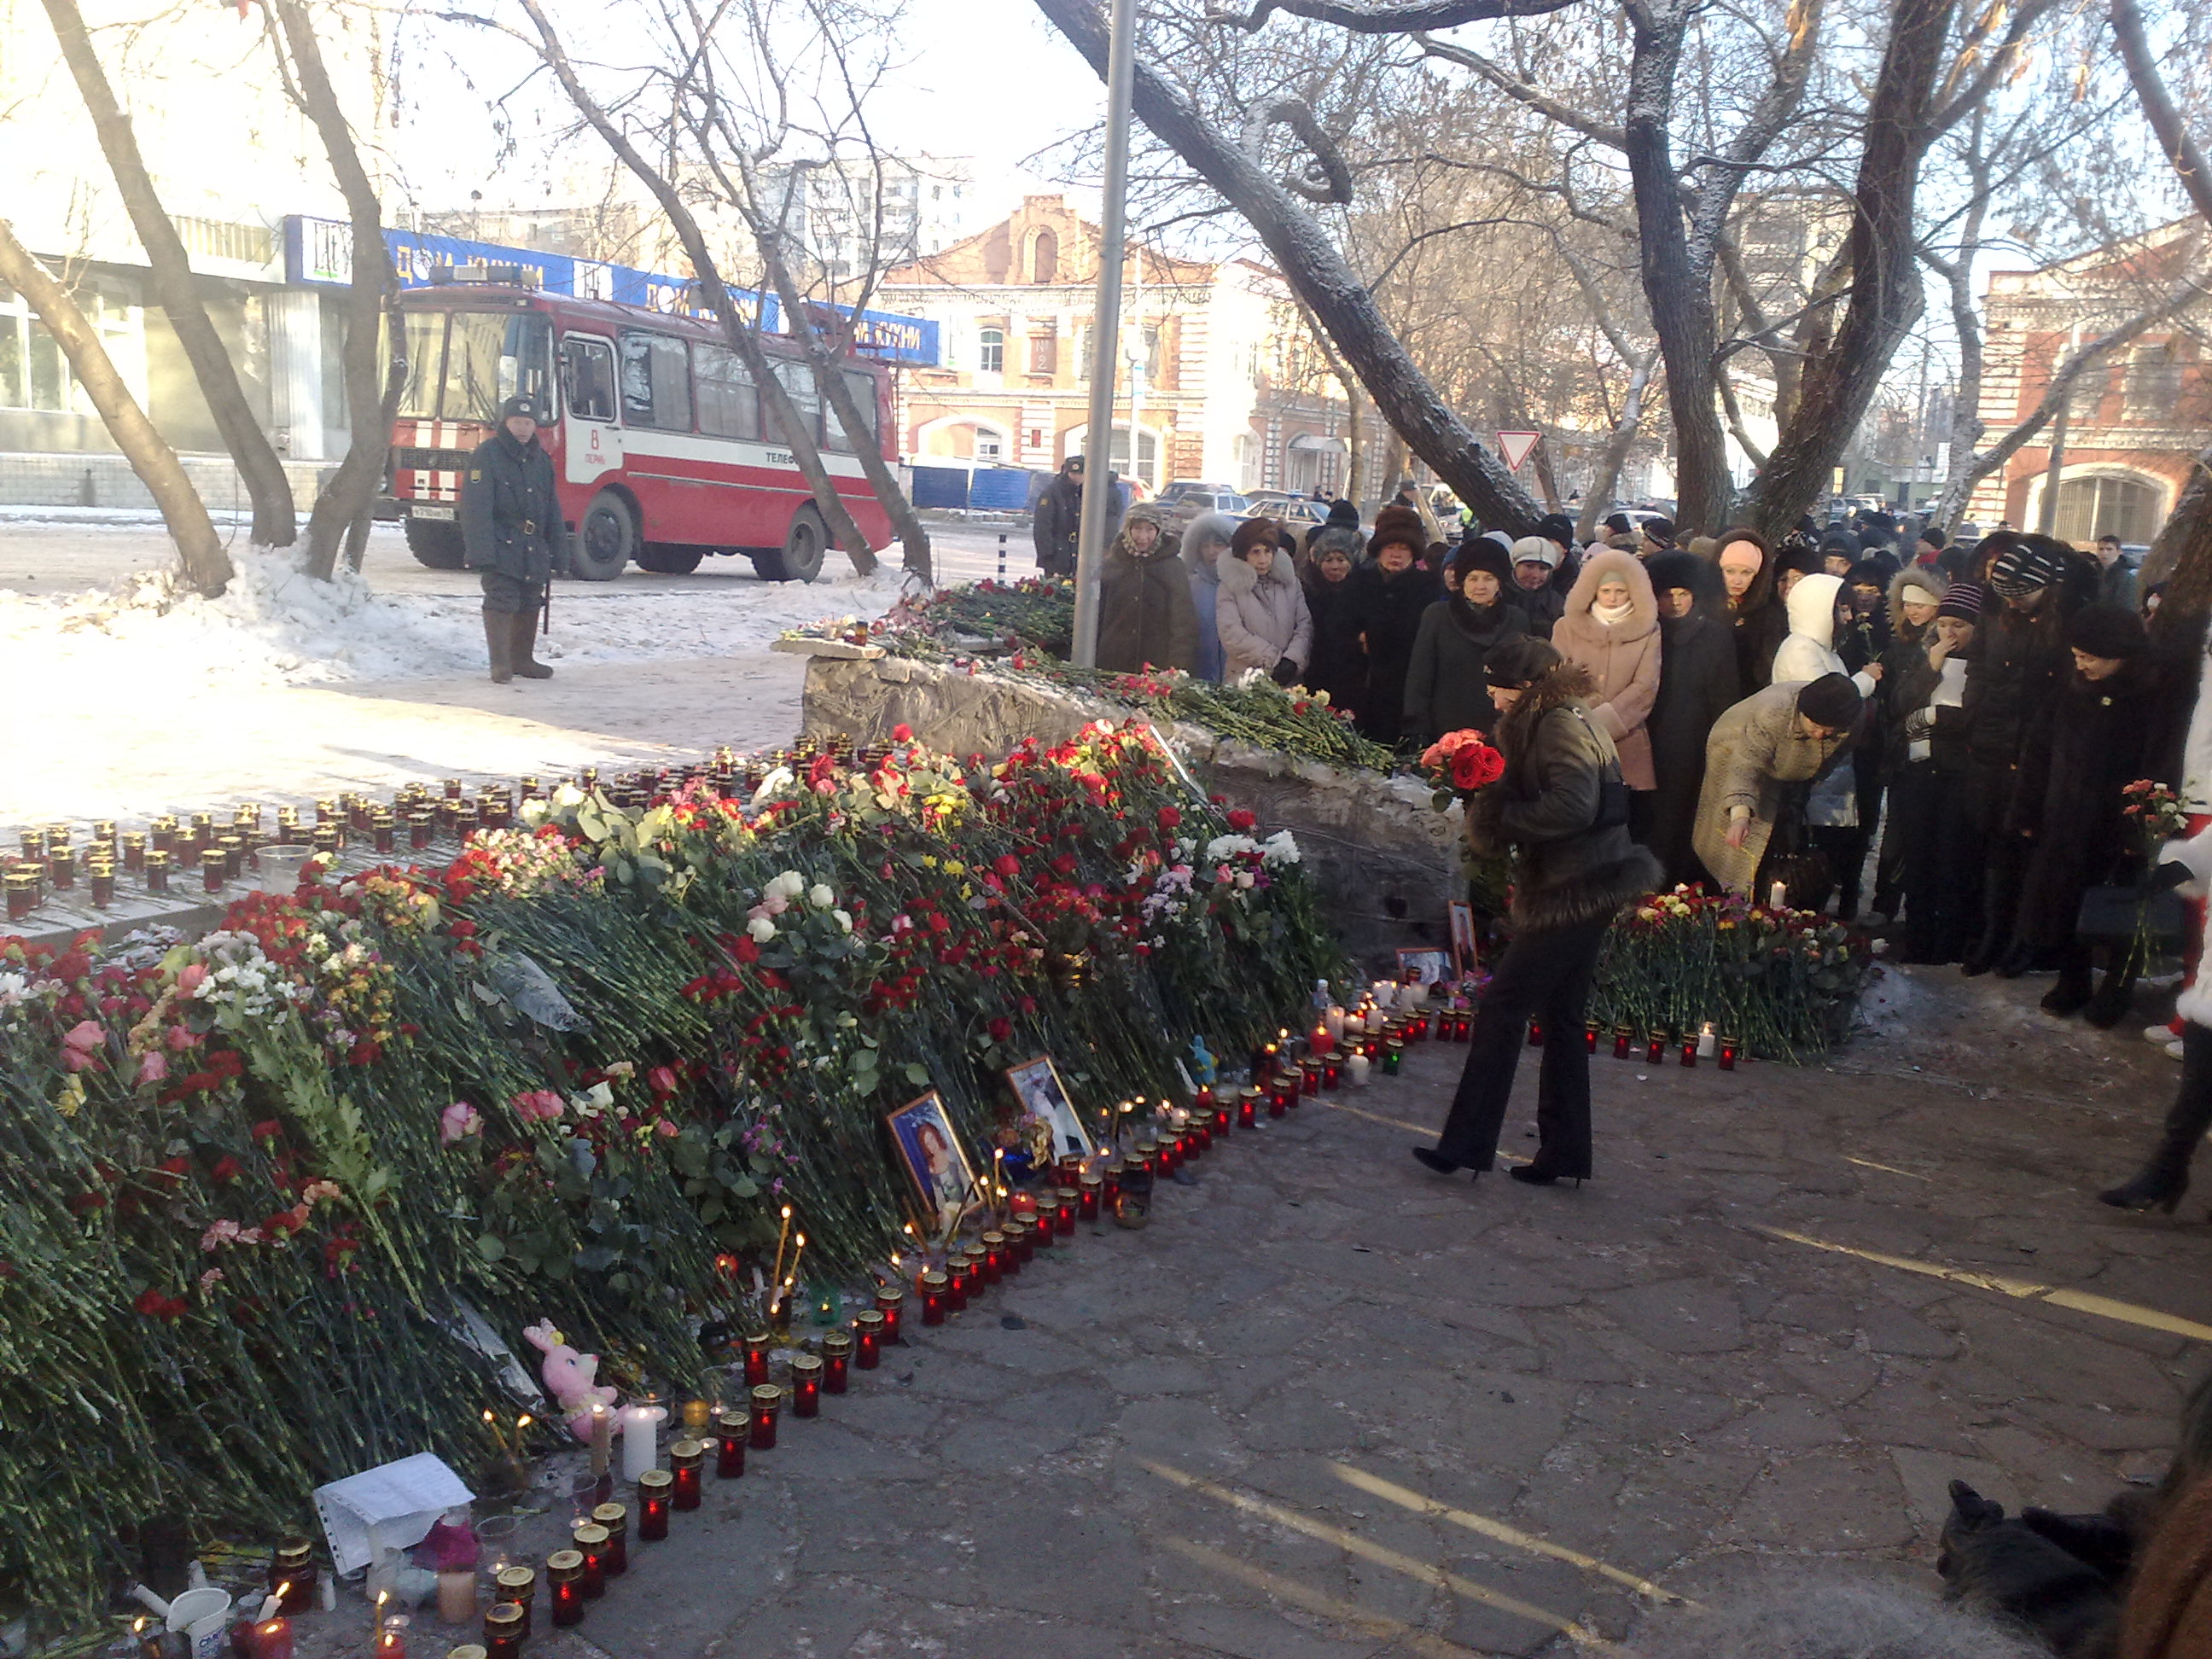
(890, 1300)
(868, 1340)
(685, 1459)
(271, 1639)
(519, 1586)
(836, 1359)
(1653, 1047)
(1063, 1220)
(1021, 1242)
(1332, 1074)
(994, 1260)
(936, 1290)
(102, 875)
(564, 1573)
(1309, 1072)
(1535, 1034)
(768, 1406)
(758, 1344)
(1248, 1107)
(1690, 1049)
(503, 1631)
(1590, 1036)
(1087, 1199)
(1623, 1041)
(1280, 1097)
(591, 1544)
(614, 1554)
(730, 1445)
(806, 1385)
(655, 1488)
(392, 1640)
(1223, 1117)
(1728, 1048)
(956, 1282)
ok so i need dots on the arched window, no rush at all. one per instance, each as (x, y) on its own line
(2153, 383)
(992, 357)
(1044, 257)
(2109, 505)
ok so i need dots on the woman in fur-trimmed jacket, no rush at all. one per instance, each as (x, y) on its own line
(1562, 808)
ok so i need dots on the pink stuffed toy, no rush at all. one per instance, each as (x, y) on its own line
(568, 1378)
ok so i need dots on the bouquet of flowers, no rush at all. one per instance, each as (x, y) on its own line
(2155, 812)
(1460, 763)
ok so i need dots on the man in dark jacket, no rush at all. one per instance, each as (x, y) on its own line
(1058, 520)
(510, 528)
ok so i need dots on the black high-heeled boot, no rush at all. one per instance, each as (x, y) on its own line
(1535, 1175)
(2159, 1185)
(2115, 997)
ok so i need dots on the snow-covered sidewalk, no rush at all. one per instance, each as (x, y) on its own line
(125, 700)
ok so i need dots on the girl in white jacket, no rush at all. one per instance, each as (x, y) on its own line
(1832, 811)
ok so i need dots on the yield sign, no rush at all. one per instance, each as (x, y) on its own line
(1514, 447)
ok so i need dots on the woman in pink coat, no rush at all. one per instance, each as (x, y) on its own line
(1611, 630)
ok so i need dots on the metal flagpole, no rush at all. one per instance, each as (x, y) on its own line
(1105, 336)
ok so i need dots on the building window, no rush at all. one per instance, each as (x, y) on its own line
(1044, 257)
(992, 360)
(34, 372)
(2152, 385)
(1044, 353)
(2089, 507)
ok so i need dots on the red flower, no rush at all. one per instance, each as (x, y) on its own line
(1169, 818)
(902, 733)
(1001, 1028)
(226, 1169)
(1241, 821)
(1476, 765)
(1010, 867)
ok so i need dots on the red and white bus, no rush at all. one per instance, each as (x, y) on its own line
(658, 438)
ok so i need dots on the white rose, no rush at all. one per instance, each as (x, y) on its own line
(1243, 877)
(790, 885)
(844, 922)
(820, 897)
(761, 929)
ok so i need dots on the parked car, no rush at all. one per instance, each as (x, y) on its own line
(1185, 498)
(1295, 511)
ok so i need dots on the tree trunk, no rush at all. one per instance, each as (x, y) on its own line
(275, 524)
(1679, 299)
(1318, 273)
(1355, 443)
(206, 567)
(2046, 511)
(2182, 555)
(1598, 500)
(339, 520)
(1887, 293)
(2181, 149)
(743, 337)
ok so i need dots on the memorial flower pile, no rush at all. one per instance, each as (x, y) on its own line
(271, 1193)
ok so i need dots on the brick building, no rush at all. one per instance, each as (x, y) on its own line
(2134, 423)
(1213, 384)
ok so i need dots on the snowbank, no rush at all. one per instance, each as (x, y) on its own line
(276, 626)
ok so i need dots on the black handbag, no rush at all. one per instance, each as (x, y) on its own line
(1807, 878)
(2127, 913)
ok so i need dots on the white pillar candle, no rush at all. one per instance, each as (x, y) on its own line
(1706, 1047)
(603, 1439)
(1333, 1023)
(1386, 994)
(1358, 1066)
(639, 1424)
(1777, 896)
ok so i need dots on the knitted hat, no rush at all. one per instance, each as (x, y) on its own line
(1962, 600)
(1830, 701)
(1519, 663)
(1481, 553)
(1343, 514)
(1868, 573)
(1617, 523)
(1933, 536)
(1559, 527)
(1536, 550)
(1921, 586)
(2106, 630)
(2027, 566)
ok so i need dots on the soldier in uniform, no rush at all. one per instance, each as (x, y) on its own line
(510, 525)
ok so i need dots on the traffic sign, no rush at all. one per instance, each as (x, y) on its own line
(1515, 446)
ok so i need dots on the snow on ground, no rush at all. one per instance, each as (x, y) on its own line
(125, 700)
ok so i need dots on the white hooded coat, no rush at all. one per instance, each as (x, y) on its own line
(1805, 655)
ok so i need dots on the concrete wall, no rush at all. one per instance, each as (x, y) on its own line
(106, 480)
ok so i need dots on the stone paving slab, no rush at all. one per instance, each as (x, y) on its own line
(1149, 1458)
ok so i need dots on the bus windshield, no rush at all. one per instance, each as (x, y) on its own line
(463, 365)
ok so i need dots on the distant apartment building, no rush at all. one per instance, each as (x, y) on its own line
(856, 214)
(2132, 427)
(1212, 384)
(231, 157)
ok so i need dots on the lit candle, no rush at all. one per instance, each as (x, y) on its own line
(603, 1439)
(1359, 1063)
(591, 1544)
(1689, 1051)
(1589, 1036)
(1319, 1040)
(695, 1419)
(1777, 896)
(503, 1631)
(1705, 1041)
(519, 1585)
(1333, 1023)
(838, 1351)
(1624, 1041)
(1352, 1024)
(1730, 1047)
(272, 1638)
(805, 1385)
(614, 1520)
(730, 1429)
(1535, 1034)
(1654, 1046)
(1394, 1057)
(935, 1289)
(641, 1424)
(768, 1405)
(890, 1300)
(868, 1327)
(654, 1490)
(391, 1639)
(564, 1572)
(1064, 1215)
(684, 1461)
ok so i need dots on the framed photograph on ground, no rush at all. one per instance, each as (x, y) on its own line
(922, 1131)
(1465, 957)
(1038, 1087)
(1430, 965)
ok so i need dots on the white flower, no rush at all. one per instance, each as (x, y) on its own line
(787, 885)
(844, 922)
(1281, 847)
(820, 897)
(1243, 877)
(761, 929)
(1226, 847)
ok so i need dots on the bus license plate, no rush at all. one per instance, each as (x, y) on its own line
(444, 513)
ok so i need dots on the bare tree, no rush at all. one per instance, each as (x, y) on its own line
(205, 566)
(275, 524)
(340, 519)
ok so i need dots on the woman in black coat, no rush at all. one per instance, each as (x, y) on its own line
(1699, 681)
(1756, 618)
(2085, 745)
(1340, 663)
(1394, 590)
(1445, 688)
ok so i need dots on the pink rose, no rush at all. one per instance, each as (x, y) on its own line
(178, 1038)
(189, 980)
(539, 1105)
(458, 1121)
(665, 1130)
(153, 1069)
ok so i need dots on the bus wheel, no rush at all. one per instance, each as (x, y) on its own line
(605, 540)
(668, 559)
(800, 558)
(434, 545)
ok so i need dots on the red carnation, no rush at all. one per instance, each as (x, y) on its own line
(1241, 821)
(902, 733)
(1169, 818)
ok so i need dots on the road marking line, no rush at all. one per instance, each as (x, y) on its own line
(1887, 1169)
(1343, 1612)
(1406, 1497)
(2025, 1290)
(1353, 1544)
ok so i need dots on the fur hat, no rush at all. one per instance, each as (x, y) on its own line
(1481, 553)
(1805, 557)
(1400, 524)
(1254, 532)
(1933, 536)
(1675, 568)
(1962, 600)
(1830, 701)
(1536, 550)
(2106, 630)
(2027, 566)
(1917, 585)
(1868, 572)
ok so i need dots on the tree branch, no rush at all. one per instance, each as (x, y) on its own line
(1404, 18)
(1521, 91)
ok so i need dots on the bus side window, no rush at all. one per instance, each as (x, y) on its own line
(656, 382)
(729, 404)
(588, 378)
